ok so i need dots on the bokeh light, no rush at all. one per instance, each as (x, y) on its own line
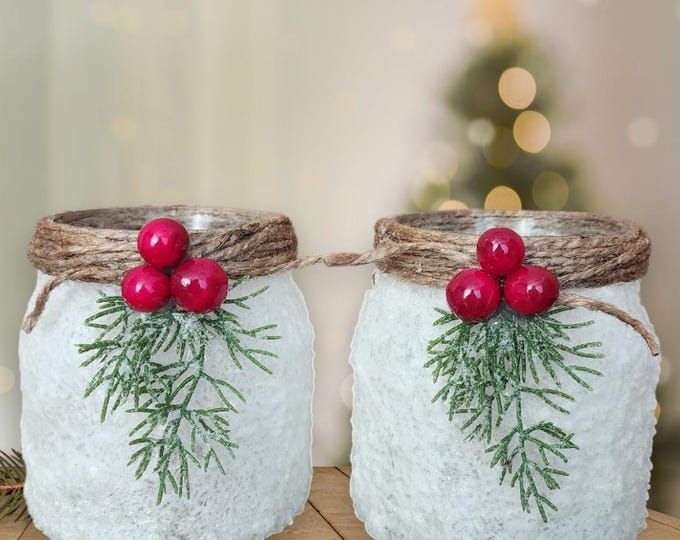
(643, 132)
(123, 128)
(402, 38)
(346, 392)
(502, 151)
(478, 32)
(6, 379)
(480, 131)
(175, 21)
(503, 198)
(452, 204)
(550, 191)
(436, 164)
(531, 131)
(517, 88)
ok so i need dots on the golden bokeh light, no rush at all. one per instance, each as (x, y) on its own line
(480, 131)
(502, 151)
(436, 164)
(346, 391)
(550, 191)
(643, 132)
(402, 38)
(503, 198)
(175, 21)
(517, 88)
(657, 410)
(452, 204)
(123, 128)
(6, 379)
(531, 131)
(478, 32)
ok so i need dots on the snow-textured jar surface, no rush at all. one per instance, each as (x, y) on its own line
(416, 476)
(79, 483)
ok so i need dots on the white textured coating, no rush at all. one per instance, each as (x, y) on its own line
(79, 485)
(415, 477)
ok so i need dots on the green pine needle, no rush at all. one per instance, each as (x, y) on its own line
(174, 434)
(12, 479)
(491, 368)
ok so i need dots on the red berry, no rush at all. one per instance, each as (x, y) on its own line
(473, 295)
(199, 285)
(500, 251)
(531, 290)
(163, 242)
(145, 288)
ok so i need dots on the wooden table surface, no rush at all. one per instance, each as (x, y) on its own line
(329, 515)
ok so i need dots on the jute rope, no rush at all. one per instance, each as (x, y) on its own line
(584, 250)
(101, 245)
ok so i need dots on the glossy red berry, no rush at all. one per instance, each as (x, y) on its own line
(531, 290)
(500, 251)
(145, 288)
(199, 285)
(163, 242)
(473, 295)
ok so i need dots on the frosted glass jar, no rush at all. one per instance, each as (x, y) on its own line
(414, 476)
(79, 484)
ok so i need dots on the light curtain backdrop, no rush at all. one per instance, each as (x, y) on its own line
(322, 110)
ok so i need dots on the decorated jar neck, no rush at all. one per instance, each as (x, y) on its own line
(583, 250)
(101, 245)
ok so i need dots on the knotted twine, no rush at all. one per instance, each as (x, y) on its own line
(583, 250)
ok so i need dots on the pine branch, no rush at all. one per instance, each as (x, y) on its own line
(174, 434)
(491, 367)
(12, 479)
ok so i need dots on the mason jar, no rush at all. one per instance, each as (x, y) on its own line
(80, 481)
(420, 473)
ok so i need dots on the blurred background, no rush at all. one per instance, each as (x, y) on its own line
(338, 113)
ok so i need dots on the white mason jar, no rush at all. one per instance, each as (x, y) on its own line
(414, 473)
(79, 483)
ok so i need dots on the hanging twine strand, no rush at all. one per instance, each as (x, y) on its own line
(583, 250)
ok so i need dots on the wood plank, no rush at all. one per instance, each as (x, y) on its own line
(31, 533)
(330, 497)
(309, 525)
(671, 521)
(11, 530)
(658, 531)
(329, 515)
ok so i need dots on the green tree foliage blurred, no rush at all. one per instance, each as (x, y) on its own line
(492, 146)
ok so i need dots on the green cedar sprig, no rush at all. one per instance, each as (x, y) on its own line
(491, 367)
(12, 479)
(131, 353)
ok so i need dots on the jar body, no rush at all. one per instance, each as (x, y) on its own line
(415, 476)
(79, 484)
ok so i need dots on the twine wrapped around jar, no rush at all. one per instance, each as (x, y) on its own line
(427, 248)
(99, 246)
(583, 250)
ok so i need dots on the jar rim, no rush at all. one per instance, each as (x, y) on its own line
(132, 218)
(527, 223)
(582, 249)
(100, 245)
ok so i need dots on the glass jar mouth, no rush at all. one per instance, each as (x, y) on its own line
(527, 223)
(194, 218)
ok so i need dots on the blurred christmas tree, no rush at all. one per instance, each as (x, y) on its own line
(500, 144)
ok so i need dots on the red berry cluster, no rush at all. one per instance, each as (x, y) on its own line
(474, 295)
(196, 285)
